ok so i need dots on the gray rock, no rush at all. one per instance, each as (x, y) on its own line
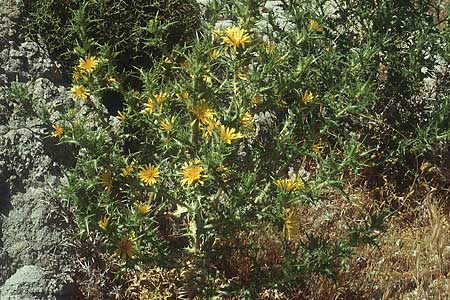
(20, 58)
(33, 232)
(33, 283)
(36, 256)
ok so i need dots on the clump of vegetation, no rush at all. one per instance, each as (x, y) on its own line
(123, 28)
(206, 171)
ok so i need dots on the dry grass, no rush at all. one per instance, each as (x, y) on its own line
(410, 262)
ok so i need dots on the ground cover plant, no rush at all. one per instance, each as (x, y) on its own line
(202, 183)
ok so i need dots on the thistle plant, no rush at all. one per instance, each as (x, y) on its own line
(229, 137)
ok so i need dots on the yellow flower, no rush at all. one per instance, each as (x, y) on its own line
(256, 100)
(317, 148)
(125, 247)
(307, 97)
(314, 25)
(192, 173)
(182, 96)
(242, 76)
(270, 46)
(289, 184)
(76, 74)
(111, 80)
(106, 180)
(142, 207)
(121, 117)
(149, 174)
(228, 134)
(247, 120)
(160, 97)
(211, 124)
(79, 93)
(202, 112)
(128, 169)
(58, 131)
(216, 33)
(223, 171)
(103, 222)
(214, 54)
(167, 125)
(167, 60)
(186, 65)
(288, 216)
(149, 106)
(88, 64)
(207, 79)
(235, 37)
(281, 102)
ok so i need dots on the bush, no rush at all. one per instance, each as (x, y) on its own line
(207, 168)
(76, 27)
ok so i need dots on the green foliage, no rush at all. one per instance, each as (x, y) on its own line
(207, 166)
(77, 27)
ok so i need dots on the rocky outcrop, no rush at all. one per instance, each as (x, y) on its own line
(36, 256)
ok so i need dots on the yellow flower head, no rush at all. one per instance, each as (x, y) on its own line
(106, 180)
(182, 96)
(308, 97)
(111, 80)
(167, 125)
(216, 33)
(270, 46)
(314, 25)
(317, 148)
(257, 100)
(167, 60)
(125, 247)
(247, 120)
(289, 184)
(186, 65)
(209, 128)
(88, 64)
(79, 92)
(223, 171)
(58, 131)
(76, 74)
(149, 174)
(213, 55)
(242, 76)
(288, 226)
(202, 112)
(128, 169)
(142, 207)
(192, 173)
(207, 79)
(228, 134)
(103, 222)
(281, 102)
(160, 97)
(235, 37)
(121, 117)
(149, 106)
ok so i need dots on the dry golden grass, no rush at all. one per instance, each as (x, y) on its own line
(410, 262)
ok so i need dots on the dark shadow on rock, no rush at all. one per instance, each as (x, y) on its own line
(63, 154)
(5, 200)
(70, 291)
(5, 266)
(113, 101)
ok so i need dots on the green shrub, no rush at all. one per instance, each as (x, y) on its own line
(207, 167)
(77, 27)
